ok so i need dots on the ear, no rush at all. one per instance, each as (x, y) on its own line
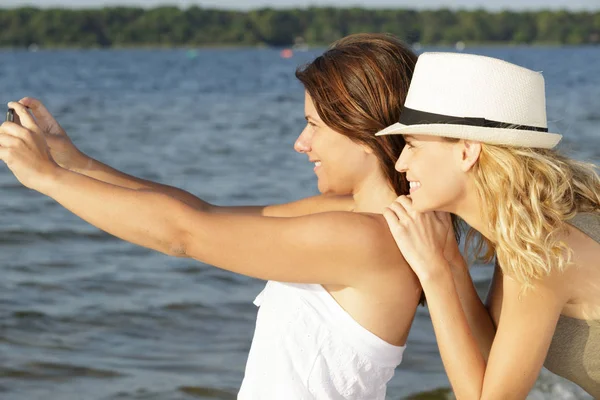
(470, 153)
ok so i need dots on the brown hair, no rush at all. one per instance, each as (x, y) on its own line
(358, 87)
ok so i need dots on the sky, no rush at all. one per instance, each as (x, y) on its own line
(492, 5)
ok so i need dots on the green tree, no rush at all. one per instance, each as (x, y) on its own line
(196, 26)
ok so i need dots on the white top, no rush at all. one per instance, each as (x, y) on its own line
(306, 346)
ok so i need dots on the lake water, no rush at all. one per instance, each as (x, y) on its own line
(86, 316)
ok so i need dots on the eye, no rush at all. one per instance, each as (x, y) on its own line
(409, 145)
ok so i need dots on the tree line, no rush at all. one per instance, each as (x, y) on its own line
(195, 26)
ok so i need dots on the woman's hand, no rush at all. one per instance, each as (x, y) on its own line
(421, 237)
(24, 150)
(61, 147)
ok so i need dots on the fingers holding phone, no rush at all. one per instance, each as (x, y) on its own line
(35, 116)
(12, 116)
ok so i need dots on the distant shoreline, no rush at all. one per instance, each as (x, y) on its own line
(195, 27)
(167, 4)
(151, 47)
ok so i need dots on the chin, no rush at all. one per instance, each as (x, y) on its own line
(331, 190)
(323, 190)
(327, 190)
(422, 207)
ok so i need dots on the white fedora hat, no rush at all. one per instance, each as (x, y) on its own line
(478, 98)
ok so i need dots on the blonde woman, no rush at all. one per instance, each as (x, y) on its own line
(478, 147)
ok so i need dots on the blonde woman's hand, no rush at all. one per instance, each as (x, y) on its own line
(63, 151)
(24, 150)
(421, 237)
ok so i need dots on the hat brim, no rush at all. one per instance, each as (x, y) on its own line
(498, 136)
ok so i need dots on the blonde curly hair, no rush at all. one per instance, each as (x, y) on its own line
(527, 195)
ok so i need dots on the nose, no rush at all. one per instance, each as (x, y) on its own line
(401, 165)
(304, 141)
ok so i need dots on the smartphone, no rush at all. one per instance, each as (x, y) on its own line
(10, 115)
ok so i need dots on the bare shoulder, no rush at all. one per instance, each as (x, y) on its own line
(381, 251)
(366, 236)
(385, 274)
(368, 232)
(310, 205)
(372, 229)
(327, 202)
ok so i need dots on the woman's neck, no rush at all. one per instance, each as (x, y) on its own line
(373, 195)
(472, 210)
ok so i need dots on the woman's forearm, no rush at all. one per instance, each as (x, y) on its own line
(105, 173)
(477, 315)
(311, 205)
(148, 219)
(463, 360)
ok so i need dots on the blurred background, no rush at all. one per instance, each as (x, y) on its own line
(202, 96)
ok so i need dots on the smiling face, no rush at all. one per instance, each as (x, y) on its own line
(339, 163)
(436, 169)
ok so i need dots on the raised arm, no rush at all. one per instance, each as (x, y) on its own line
(328, 248)
(68, 156)
(323, 248)
(311, 205)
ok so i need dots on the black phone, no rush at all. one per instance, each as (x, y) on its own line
(10, 115)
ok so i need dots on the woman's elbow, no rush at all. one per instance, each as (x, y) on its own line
(177, 248)
(177, 242)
